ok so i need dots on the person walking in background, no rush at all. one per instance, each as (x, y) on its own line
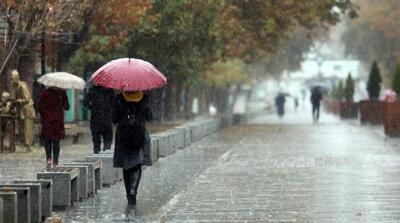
(316, 97)
(130, 113)
(23, 98)
(51, 105)
(99, 101)
(296, 103)
(280, 100)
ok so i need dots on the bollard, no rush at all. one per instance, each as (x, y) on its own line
(47, 195)
(172, 141)
(109, 174)
(10, 206)
(23, 201)
(119, 174)
(154, 148)
(65, 184)
(35, 191)
(179, 137)
(94, 174)
(83, 179)
(194, 132)
(164, 147)
(187, 136)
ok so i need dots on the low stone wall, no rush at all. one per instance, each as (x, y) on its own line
(168, 142)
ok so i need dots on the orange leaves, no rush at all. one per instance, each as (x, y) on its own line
(259, 25)
(121, 13)
(382, 15)
(379, 24)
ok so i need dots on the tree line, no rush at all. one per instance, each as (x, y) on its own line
(206, 48)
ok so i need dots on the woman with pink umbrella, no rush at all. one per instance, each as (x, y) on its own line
(131, 77)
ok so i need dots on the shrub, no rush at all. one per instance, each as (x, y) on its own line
(374, 82)
(396, 81)
(349, 89)
(338, 91)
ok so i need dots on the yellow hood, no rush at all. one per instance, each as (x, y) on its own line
(135, 97)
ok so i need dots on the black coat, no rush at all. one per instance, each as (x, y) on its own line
(100, 101)
(131, 135)
(316, 98)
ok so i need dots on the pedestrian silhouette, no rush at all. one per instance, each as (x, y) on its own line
(316, 97)
(99, 101)
(280, 100)
(130, 113)
(51, 105)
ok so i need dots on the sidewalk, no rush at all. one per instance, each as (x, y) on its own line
(270, 170)
(331, 172)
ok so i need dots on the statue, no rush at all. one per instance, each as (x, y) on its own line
(26, 111)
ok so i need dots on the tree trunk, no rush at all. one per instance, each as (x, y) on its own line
(170, 101)
(222, 99)
(178, 100)
(203, 102)
(26, 67)
(235, 95)
(156, 104)
(188, 101)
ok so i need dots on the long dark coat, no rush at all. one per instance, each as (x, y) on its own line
(100, 101)
(51, 105)
(130, 137)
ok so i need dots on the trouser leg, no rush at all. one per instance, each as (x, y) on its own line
(56, 151)
(314, 111)
(136, 174)
(127, 181)
(96, 139)
(107, 137)
(47, 147)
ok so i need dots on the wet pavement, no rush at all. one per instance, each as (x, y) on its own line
(270, 170)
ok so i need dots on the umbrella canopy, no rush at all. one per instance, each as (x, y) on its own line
(319, 89)
(62, 80)
(129, 74)
(283, 94)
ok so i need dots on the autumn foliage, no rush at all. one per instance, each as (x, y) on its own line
(204, 43)
(375, 34)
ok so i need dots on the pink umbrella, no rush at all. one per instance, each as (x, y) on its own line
(129, 74)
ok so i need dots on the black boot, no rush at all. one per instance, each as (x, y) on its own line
(131, 199)
(136, 174)
(128, 184)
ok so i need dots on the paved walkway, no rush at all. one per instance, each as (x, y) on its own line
(269, 170)
(331, 172)
(295, 173)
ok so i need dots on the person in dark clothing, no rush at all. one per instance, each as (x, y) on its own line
(280, 103)
(100, 101)
(51, 105)
(316, 97)
(130, 113)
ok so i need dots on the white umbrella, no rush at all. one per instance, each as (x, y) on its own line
(62, 80)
